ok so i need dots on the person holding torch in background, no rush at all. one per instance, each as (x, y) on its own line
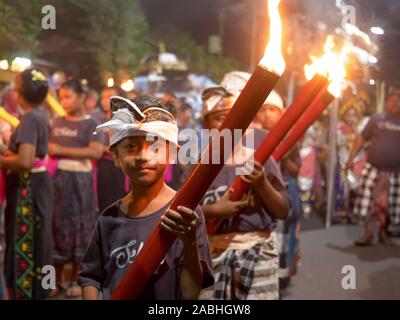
(268, 116)
(243, 247)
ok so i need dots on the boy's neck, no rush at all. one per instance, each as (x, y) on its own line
(76, 116)
(145, 200)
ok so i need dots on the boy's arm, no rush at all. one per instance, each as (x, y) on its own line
(192, 272)
(224, 208)
(291, 162)
(358, 144)
(90, 293)
(272, 199)
(91, 271)
(183, 223)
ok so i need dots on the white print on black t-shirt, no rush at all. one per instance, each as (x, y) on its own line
(214, 195)
(65, 132)
(126, 254)
(389, 126)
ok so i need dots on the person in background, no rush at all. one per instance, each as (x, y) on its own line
(363, 101)
(268, 117)
(29, 192)
(92, 107)
(73, 143)
(244, 232)
(5, 134)
(9, 101)
(378, 195)
(111, 182)
(270, 112)
(350, 117)
(185, 116)
(175, 171)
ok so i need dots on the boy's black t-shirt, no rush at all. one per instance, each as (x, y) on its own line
(116, 241)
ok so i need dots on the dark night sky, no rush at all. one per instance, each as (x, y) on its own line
(200, 19)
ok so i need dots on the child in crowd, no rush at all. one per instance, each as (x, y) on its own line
(244, 250)
(124, 226)
(111, 182)
(287, 230)
(29, 192)
(72, 142)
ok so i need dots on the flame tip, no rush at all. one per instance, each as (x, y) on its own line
(329, 65)
(273, 59)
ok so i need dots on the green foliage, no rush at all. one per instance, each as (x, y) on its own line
(196, 55)
(20, 24)
(118, 35)
(104, 36)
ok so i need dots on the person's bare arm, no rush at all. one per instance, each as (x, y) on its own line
(182, 223)
(93, 151)
(192, 271)
(224, 208)
(271, 198)
(291, 167)
(23, 160)
(358, 144)
(90, 293)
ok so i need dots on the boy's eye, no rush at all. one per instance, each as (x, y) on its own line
(131, 147)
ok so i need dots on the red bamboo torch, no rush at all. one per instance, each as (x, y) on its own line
(331, 65)
(275, 136)
(323, 99)
(303, 99)
(260, 84)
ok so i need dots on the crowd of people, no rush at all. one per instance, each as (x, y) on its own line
(83, 191)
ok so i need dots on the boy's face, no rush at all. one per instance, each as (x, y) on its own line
(269, 116)
(144, 162)
(214, 120)
(71, 101)
(106, 94)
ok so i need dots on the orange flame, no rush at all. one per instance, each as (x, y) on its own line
(273, 58)
(330, 65)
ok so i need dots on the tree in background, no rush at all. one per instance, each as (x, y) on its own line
(20, 24)
(118, 36)
(195, 55)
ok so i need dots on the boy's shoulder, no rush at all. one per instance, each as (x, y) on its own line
(91, 121)
(112, 210)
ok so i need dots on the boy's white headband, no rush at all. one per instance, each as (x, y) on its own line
(123, 124)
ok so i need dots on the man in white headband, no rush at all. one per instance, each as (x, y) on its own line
(136, 126)
(217, 101)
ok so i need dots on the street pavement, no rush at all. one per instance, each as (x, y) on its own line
(324, 252)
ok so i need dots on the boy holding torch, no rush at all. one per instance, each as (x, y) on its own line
(141, 132)
(268, 116)
(243, 240)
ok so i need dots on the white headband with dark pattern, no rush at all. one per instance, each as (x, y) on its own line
(123, 124)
